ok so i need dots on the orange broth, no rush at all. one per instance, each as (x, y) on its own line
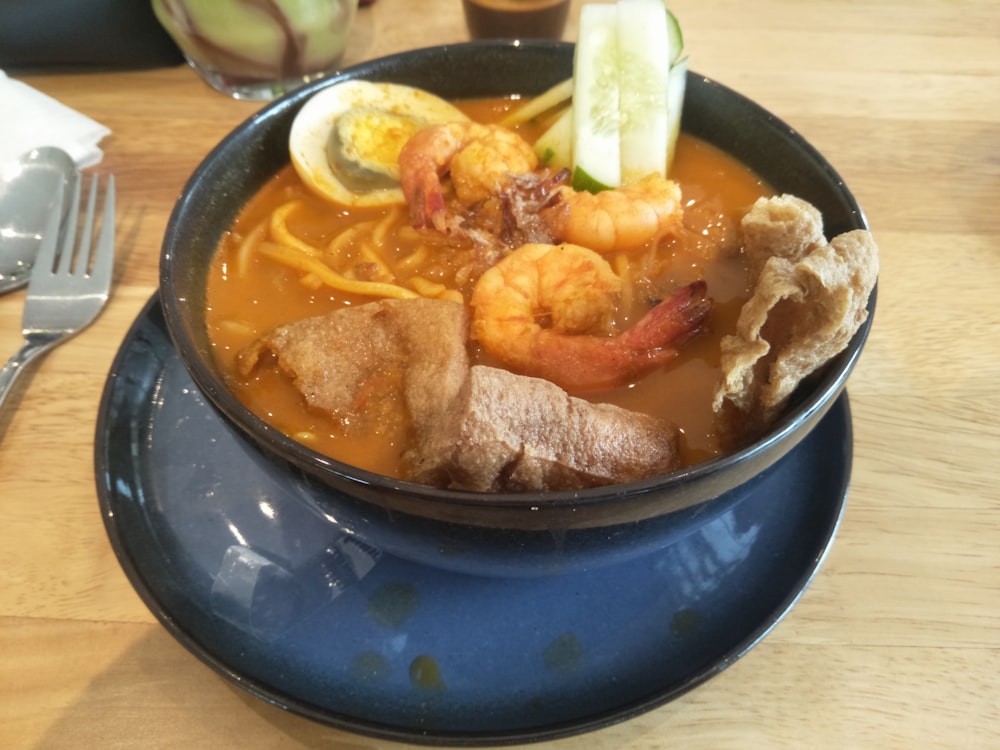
(243, 305)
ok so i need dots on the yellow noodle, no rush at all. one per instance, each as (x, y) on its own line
(282, 235)
(370, 254)
(620, 263)
(311, 281)
(385, 224)
(406, 233)
(426, 287)
(337, 245)
(651, 263)
(414, 259)
(238, 327)
(290, 256)
(435, 290)
(244, 253)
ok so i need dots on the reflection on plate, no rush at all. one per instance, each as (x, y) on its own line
(255, 581)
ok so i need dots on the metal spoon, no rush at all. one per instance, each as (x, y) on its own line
(29, 189)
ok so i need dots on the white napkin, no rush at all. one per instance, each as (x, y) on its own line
(30, 119)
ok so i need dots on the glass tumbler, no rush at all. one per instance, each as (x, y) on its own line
(515, 18)
(259, 49)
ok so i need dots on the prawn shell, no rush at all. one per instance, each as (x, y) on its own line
(386, 106)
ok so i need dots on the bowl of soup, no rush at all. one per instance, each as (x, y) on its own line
(731, 154)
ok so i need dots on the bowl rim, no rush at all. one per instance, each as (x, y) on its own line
(831, 380)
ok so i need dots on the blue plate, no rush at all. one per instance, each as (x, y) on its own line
(276, 596)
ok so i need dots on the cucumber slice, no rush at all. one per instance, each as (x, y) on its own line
(675, 106)
(644, 70)
(596, 123)
(629, 77)
(555, 96)
(582, 180)
(554, 146)
(676, 37)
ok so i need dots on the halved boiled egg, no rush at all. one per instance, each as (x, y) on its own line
(345, 141)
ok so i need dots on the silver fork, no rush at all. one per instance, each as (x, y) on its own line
(64, 296)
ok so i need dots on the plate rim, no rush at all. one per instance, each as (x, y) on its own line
(525, 735)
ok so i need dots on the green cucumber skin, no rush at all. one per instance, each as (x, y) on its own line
(676, 37)
(675, 105)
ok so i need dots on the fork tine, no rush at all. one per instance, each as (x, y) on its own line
(85, 243)
(46, 257)
(68, 232)
(104, 256)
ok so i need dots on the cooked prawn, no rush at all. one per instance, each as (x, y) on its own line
(623, 219)
(575, 291)
(479, 158)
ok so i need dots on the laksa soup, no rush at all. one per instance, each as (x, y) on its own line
(431, 292)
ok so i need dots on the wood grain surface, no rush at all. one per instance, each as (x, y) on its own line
(896, 644)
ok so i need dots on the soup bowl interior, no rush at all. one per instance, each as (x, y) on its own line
(430, 524)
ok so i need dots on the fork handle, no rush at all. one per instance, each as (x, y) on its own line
(16, 365)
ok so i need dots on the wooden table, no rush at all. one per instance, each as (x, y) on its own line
(896, 644)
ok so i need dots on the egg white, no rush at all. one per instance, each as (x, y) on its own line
(312, 126)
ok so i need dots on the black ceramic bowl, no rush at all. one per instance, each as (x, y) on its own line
(444, 527)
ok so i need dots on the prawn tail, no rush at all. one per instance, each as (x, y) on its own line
(580, 363)
(422, 162)
(673, 321)
(427, 207)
